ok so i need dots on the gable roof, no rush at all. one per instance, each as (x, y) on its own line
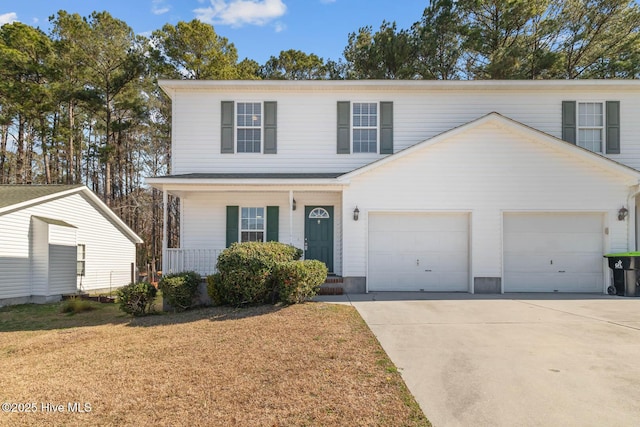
(17, 197)
(514, 126)
(15, 194)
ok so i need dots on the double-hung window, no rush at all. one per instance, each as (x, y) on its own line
(591, 125)
(252, 225)
(365, 127)
(81, 260)
(594, 125)
(249, 127)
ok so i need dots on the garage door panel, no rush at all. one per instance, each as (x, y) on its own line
(412, 252)
(382, 239)
(561, 222)
(553, 252)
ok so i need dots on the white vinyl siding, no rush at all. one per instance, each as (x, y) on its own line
(485, 170)
(203, 224)
(306, 145)
(108, 263)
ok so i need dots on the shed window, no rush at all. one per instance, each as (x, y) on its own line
(81, 260)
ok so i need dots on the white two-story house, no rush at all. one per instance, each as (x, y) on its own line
(467, 186)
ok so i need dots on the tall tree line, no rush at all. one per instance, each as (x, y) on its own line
(81, 104)
(503, 39)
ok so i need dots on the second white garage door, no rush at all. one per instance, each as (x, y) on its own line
(553, 252)
(418, 252)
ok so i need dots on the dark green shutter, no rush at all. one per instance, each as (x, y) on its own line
(386, 128)
(613, 127)
(270, 127)
(569, 121)
(272, 223)
(344, 120)
(233, 221)
(226, 120)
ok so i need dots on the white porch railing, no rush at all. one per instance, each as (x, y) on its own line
(202, 261)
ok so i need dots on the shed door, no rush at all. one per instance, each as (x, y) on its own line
(553, 252)
(418, 252)
(62, 269)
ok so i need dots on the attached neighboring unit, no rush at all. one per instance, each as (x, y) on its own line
(428, 186)
(60, 239)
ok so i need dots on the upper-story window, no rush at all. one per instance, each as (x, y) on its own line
(591, 125)
(365, 127)
(249, 127)
(594, 125)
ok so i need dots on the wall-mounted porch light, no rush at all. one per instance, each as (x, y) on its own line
(356, 214)
(622, 213)
(293, 205)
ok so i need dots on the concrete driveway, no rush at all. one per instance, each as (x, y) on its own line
(513, 360)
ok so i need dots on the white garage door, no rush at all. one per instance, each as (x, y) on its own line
(415, 252)
(553, 252)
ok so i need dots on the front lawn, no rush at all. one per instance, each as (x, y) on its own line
(312, 364)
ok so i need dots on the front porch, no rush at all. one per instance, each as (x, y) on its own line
(202, 261)
(214, 214)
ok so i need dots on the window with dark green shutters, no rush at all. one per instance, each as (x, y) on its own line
(249, 127)
(594, 125)
(250, 224)
(365, 127)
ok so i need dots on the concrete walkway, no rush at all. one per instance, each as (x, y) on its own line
(512, 360)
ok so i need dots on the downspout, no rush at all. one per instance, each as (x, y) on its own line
(165, 201)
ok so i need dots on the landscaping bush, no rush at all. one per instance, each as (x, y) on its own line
(136, 298)
(298, 281)
(244, 272)
(76, 305)
(180, 290)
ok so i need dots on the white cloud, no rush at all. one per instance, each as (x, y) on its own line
(158, 7)
(8, 18)
(240, 12)
(279, 27)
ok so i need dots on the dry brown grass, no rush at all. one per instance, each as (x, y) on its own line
(306, 365)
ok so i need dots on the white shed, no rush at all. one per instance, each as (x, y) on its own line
(60, 239)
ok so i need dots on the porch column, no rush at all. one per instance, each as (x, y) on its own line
(165, 202)
(291, 217)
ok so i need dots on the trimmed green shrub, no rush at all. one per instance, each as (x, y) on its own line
(136, 298)
(244, 272)
(212, 289)
(180, 290)
(299, 281)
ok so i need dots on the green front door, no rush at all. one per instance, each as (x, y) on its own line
(318, 234)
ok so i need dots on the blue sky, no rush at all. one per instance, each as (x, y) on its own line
(258, 28)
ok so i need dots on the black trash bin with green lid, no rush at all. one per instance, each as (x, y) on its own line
(625, 268)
